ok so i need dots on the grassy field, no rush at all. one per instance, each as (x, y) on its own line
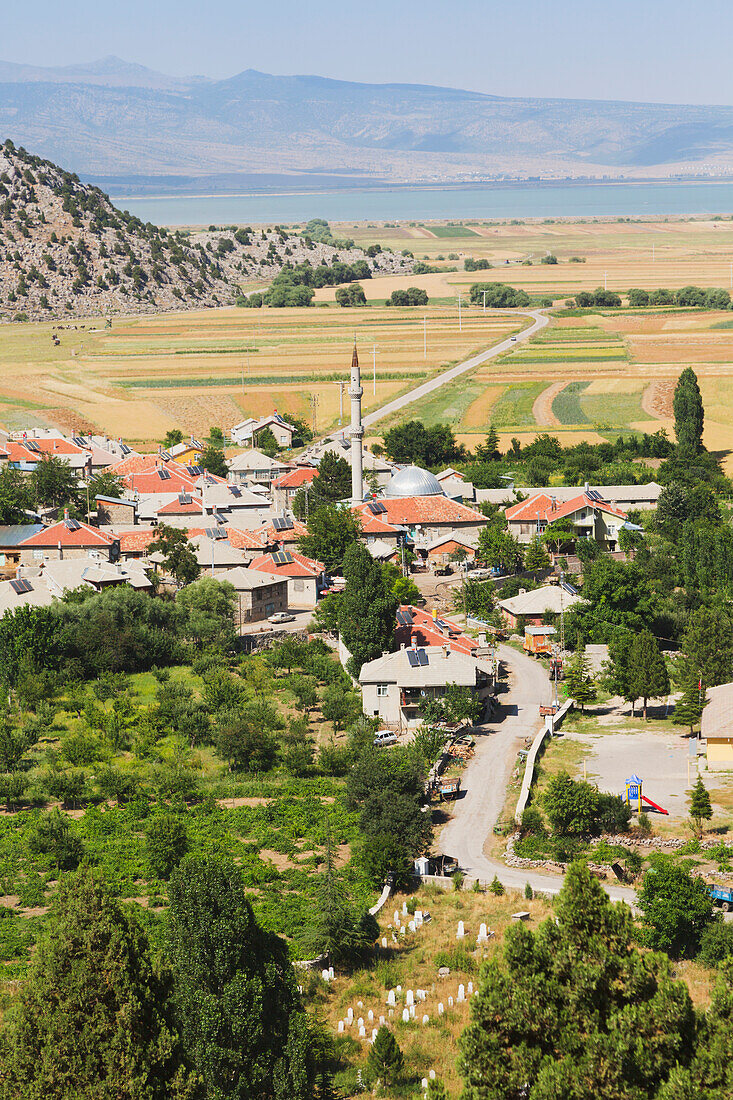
(193, 370)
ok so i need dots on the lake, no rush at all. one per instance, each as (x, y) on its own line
(415, 204)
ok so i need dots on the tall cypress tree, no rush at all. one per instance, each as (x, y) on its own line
(367, 608)
(236, 999)
(648, 670)
(93, 1014)
(689, 413)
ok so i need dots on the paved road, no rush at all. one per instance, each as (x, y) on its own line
(485, 781)
(539, 321)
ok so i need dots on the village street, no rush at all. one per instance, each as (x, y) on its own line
(468, 833)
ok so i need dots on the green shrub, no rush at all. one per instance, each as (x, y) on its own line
(496, 887)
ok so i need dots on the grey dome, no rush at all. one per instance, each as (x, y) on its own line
(412, 481)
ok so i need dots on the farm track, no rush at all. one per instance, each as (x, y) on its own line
(542, 412)
(539, 319)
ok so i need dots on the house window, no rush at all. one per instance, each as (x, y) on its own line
(299, 585)
(382, 689)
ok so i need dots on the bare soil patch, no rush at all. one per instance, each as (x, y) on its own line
(542, 407)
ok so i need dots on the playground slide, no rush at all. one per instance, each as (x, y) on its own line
(654, 806)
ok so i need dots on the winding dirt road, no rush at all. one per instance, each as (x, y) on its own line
(485, 780)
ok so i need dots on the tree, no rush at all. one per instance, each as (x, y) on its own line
(53, 483)
(535, 556)
(337, 929)
(462, 703)
(178, 557)
(304, 690)
(207, 606)
(214, 460)
(93, 1015)
(331, 531)
(235, 993)
(708, 644)
(488, 451)
(618, 675)
(166, 841)
(105, 484)
(413, 442)
(339, 705)
(649, 675)
(700, 807)
(579, 679)
(571, 805)
(244, 738)
(53, 836)
(689, 707)
(367, 608)
(14, 496)
(675, 908)
(172, 438)
(497, 548)
(333, 480)
(385, 1060)
(689, 413)
(559, 1011)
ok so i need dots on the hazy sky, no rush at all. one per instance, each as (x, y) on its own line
(663, 50)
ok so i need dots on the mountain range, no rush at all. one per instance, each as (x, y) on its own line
(129, 128)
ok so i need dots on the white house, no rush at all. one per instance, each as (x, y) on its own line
(395, 685)
(246, 433)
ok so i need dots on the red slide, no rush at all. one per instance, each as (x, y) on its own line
(654, 805)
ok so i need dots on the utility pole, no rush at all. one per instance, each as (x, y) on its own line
(484, 301)
(652, 253)
(460, 322)
(341, 399)
(425, 337)
(605, 280)
(374, 370)
(314, 407)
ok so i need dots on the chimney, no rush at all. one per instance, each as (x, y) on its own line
(554, 504)
(586, 487)
(66, 513)
(446, 652)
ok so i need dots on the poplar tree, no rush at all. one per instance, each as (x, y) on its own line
(689, 413)
(367, 608)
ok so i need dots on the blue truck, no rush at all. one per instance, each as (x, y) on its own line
(722, 896)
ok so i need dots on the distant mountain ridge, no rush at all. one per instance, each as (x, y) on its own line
(113, 120)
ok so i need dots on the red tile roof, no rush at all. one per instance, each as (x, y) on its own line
(426, 631)
(376, 525)
(135, 542)
(52, 446)
(541, 508)
(268, 533)
(61, 533)
(175, 508)
(300, 566)
(149, 482)
(293, 479)
(426, 510)
(244, 540)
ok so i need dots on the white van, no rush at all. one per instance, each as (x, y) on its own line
(385, 737)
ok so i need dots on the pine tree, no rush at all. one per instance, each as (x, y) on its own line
(689, 707)
(93, 1014)
(385, 1059)
(535, 556)
(689, 413)
(579, 680)
(648, 672)
(700, 807)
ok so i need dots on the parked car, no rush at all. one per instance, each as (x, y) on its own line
(385, 737)
(281, 617)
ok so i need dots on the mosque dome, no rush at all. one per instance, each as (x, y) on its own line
(412, 481)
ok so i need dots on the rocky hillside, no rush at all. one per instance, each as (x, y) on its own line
(65, 250)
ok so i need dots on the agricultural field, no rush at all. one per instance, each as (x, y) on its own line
(147, 374)
(586, 376)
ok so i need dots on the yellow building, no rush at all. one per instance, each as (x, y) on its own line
(717, 727)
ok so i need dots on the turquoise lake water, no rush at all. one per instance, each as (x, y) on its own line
(415, 204)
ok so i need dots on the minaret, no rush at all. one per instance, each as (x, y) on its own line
(356, 431)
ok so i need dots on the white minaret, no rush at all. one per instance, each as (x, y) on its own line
(356, 431)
